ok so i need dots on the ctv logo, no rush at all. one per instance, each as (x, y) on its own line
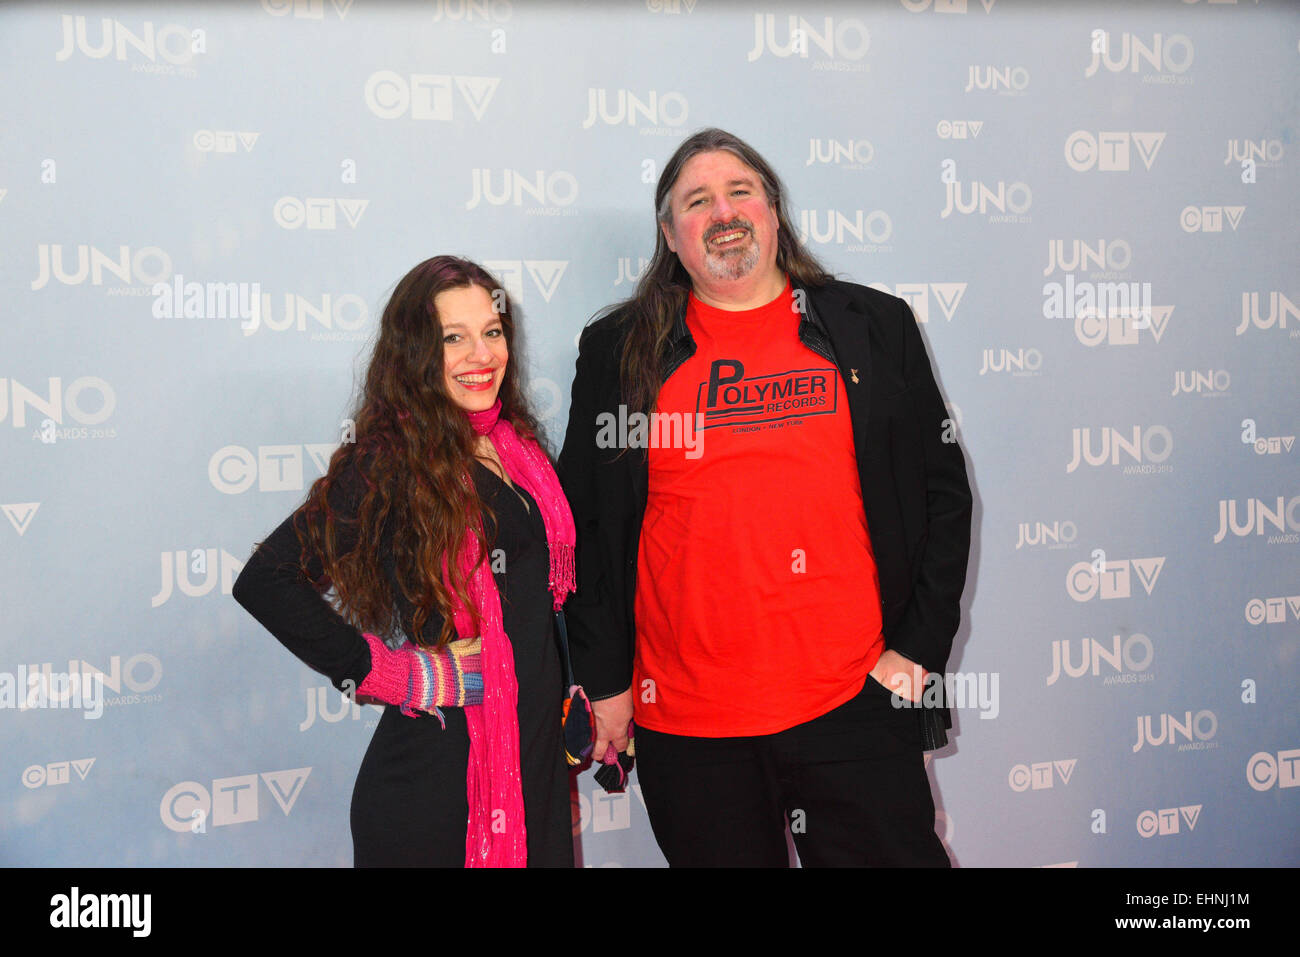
(1166, 820)
(959, 129)
(427, 96)
(234, 469)
(1271, 611)
(1038, 776)
(224, 141)
(943, 6)
(20, 515)
(1109, 152)
(917, 295)
(1263, 770)
(55, 773)
(317, 212)
(305, 9)
(189, 806)
(1209, 219)
(544, 273)
(1086, 580)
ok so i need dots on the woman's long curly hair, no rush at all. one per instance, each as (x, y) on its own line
(413, 452)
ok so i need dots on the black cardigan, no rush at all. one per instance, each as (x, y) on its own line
(914, 488)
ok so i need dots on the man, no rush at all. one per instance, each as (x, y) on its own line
(783, 545)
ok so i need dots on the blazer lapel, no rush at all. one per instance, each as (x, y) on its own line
(845, 324)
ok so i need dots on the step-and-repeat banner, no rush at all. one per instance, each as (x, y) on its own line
(1091, 208)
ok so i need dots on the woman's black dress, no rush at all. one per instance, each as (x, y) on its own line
(409, 805)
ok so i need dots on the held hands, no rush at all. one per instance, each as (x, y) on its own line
(418, 679)
(612, 718)
(900, 675)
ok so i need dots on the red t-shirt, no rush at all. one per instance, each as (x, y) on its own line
(757, 598)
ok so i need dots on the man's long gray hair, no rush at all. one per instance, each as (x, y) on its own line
(664, 286)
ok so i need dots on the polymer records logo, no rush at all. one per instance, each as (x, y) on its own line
(754, 403)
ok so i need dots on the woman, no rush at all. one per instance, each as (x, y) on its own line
(442, 523)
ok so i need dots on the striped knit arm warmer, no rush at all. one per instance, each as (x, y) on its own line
(416, 679)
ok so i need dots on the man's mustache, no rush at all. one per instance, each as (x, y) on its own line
(728, 227)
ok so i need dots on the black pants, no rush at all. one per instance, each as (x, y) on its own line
(851, 784)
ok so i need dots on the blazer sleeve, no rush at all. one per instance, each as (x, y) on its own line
(273, 589)
(925, 630)
(600, 642)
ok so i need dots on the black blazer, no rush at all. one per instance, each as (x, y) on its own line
(914, 489)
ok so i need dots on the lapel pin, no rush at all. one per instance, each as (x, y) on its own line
(853, 373)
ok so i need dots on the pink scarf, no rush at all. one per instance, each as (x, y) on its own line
(495, 835)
